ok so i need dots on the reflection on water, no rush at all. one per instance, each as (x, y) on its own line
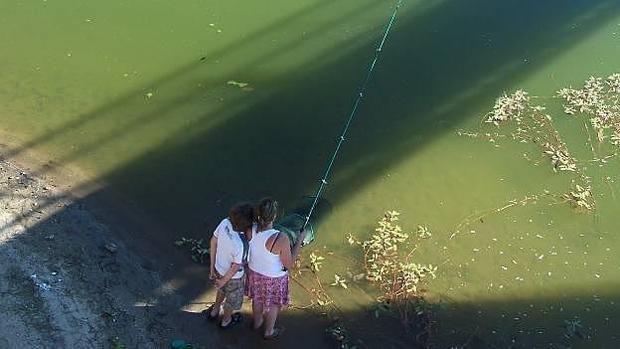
(139, 95)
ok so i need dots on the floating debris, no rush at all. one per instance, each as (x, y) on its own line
(44, 286)
(111, 247)
(238, 84)
(573, 327)
(358, 277)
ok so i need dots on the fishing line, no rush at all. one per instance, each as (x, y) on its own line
(360, 96)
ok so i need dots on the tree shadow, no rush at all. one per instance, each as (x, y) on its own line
(438, 68)
(421, 90)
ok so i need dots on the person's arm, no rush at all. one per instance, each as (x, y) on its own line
(300, 240)
(234, 267)
(283, 248)
(212, 253)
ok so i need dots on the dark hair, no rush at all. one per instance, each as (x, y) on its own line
(241, 216)
(266, 211)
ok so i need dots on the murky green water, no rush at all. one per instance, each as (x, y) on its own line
(150, 97)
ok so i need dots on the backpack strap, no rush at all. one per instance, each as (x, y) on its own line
(246, 248)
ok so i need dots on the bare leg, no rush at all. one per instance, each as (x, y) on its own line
(257, 312)
(219, 298)
(270, 319)
(226, 318)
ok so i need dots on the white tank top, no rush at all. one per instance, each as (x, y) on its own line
(261, 260)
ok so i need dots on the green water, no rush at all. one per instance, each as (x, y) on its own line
(144, 96)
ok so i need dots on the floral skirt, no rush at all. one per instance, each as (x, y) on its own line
(267, 291)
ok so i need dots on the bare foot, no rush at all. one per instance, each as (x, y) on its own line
(274, 334)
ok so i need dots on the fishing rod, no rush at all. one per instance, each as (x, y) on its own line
(358, 100)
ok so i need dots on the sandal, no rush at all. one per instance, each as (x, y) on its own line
(208, 313)
(276, 333)
(234, 319)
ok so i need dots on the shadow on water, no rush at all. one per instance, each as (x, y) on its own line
(437, 68)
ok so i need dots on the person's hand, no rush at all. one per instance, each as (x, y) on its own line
(219, 283)
(302, 236)
(211, 274)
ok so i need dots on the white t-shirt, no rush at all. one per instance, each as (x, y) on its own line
(229, 248)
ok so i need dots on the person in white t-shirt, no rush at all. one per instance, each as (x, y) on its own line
(227, 263)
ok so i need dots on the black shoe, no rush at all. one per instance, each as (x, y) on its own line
(208, 313)
(234, 319)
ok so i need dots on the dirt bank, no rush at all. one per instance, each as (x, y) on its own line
(65, 281)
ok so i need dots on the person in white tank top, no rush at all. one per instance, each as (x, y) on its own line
(270, 257)
(263, 261)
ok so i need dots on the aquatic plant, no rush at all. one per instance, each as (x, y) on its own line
(340, 334)
(423, 232)
(580, 197)
(560, 159)
(531, 124)
(599, 100)
(389, 266)
(396, 275)
(352, 240)
(339, 281)
(315, 262)
(313, 286)
(509, 107)
(198, 251)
